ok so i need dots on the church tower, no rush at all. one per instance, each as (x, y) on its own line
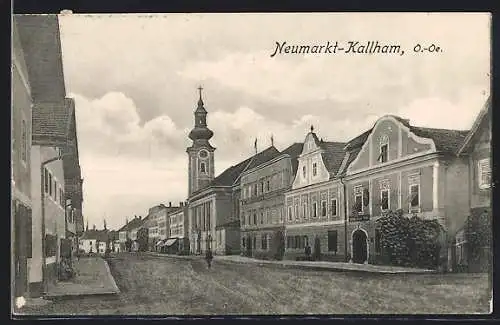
(201, 152)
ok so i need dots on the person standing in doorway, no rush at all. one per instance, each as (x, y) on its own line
(209, 256)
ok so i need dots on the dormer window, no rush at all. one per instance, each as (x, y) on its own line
(315, 169)
(384, 149)
(304, 171)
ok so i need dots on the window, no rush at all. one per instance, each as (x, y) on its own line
(358, 199)
(315, 169)
(243, 242)
(46, 180)
(484, 171)
(264, 241)
(24, 141)
(314, 210)
(290, 213)
(50, 184)
(202, 168)
(255, 190)
(262, 217)
(254, 242)
(384, 200)
(323, 208)
(304, 171)
(334, 207)
(296, 212)
(414, 196)
(55, 190)
(254, 218)
(304, 210)
(384, 148)
(332, 240)
(268, 185)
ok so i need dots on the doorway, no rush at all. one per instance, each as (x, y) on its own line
(359, 246)
(21, 246)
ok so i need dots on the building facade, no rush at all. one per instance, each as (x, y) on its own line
(20, 167)
(314, 215)
(262, 204)
(477, 149)
(408, 168)
(51, 121)
(178, 235)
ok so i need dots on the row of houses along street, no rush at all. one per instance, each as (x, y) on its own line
(46, 181)
(328, 196)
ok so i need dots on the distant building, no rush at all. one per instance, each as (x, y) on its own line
(129, 233)
(155, 223)
(178, 237)
(93, 241)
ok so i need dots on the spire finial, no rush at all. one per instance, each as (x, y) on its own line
(272, 140)
(312, 128)
(255, 145)
(200, 100)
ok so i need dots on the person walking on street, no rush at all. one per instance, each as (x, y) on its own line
(209, 257)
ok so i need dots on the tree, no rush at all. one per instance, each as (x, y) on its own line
(409, 241)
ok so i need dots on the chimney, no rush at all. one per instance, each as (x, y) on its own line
(169, 204)
(93, 227)
(181, 204)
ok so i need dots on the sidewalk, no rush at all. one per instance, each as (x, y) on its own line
(93, 278)
(324, 266)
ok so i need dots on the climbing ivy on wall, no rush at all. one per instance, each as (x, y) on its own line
(409, 241)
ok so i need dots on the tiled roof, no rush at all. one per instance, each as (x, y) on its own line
(100, 235)
(348, 159)
(294, 151)
(358, 141)
(41, 42)
(445, 140)
(333, 154)
(230, 175)
(483, 116)
(51, 120)
(133, 224)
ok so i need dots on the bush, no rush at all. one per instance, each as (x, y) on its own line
(409, 241)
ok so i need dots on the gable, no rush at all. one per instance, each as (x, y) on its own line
(399, 141)
(310, 144)
(311, 168)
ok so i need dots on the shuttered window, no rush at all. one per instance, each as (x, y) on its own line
(484, 173)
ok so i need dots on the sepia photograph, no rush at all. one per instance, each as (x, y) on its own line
(246, 164)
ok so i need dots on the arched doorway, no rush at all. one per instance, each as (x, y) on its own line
(249, 245)
(359, 246)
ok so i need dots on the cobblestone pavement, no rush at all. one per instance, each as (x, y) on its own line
(163, 285)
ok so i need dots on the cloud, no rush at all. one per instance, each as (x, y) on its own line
(135, 89)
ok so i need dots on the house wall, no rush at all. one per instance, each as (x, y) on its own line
(89, 245)
(480, 198)
(456, 195)
(20, 169)
(54, 212)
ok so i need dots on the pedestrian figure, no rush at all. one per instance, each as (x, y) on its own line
(209, 257)
(307, 251)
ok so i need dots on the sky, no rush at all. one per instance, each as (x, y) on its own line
(134, 79)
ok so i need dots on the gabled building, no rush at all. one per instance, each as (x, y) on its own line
(51, 123)
(314, 214)
(94, 241)
(131, 232)
(156, 223)
(262, 203)
(477, 149)
(401, 166)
